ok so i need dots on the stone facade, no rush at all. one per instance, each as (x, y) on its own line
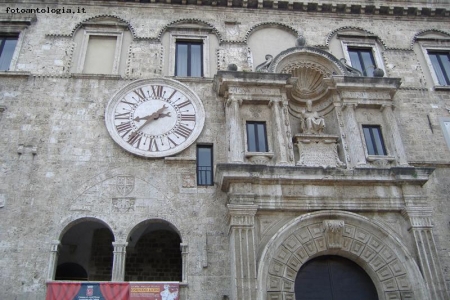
(70, 194)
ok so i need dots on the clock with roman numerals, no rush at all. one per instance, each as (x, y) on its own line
(155, 118)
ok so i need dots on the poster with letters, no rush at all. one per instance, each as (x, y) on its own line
(154, 291)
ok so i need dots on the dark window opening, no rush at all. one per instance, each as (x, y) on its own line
(441, 65)
(189, 59)
(257, 137)
(7, 47)
(71, 271)
(363, 60)
(205, 165)
(374, 140)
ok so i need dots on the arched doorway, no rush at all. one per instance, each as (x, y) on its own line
(86, 252)
(153, 253)
(333, 277)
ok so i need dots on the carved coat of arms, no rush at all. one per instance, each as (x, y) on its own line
(124, 184)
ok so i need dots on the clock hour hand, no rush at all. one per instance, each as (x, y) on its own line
(150, 118)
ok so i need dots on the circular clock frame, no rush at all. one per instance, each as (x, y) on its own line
(155, 117)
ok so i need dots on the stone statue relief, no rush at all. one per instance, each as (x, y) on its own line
(311, 122)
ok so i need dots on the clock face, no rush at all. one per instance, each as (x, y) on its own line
(155, 118)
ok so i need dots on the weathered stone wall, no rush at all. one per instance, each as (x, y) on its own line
(58, 162)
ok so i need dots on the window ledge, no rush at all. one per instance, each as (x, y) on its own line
(259, 158)
(14, 73)
(95, 76)
(442, 88)
(372, 158)
(175, 159)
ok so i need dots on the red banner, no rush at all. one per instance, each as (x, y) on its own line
(88, 291)
(154, 291)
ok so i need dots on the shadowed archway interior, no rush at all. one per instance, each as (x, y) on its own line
(333, 277)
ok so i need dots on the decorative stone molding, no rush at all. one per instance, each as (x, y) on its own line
(241, 215)
(425, 31)
(270, 24)
(210, 26)
(388, 263)
(184, 257)
(318, 150)
(334, 233)
(259, 158)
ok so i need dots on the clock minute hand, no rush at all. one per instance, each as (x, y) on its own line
(149, 118)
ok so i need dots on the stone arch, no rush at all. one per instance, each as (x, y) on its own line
(104, 16)
(70, 222)
(428, 31)
(365, 31)
(270, 24)
(190, 21)
(169, 223)
(388, 263)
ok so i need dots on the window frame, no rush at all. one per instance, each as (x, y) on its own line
(443, 121)
(3, 39)
(189, 57)
(247, 123)
(433, 48)
(211, 177)
(383, 142)
(202, 36)
(363, 44)
(106, 33)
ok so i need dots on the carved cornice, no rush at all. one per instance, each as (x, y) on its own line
(228, 174)
(397, 9)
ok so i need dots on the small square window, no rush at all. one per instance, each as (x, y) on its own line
(188, 59)
(205, 165)
(7, 47)
(257, 137)
(374, 140)
(441, 65)
(363, 60)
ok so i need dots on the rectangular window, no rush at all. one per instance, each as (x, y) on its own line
(205, 165)
(188, 59)
(363, 60)
(7, 47)
(441, 66)
(100, 54)
(374, 140)
(257, 137)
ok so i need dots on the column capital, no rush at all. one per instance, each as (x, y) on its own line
(233, 99)
(420, 217)
(242, 215)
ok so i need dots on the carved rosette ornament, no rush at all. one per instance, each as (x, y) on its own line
(333, 230)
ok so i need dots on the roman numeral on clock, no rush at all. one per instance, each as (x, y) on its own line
(183, 104)
(157, 91)
(187, 117)
(124, 128)
(123, 116)
(153, 145)
(140, 93)
(183, 131)
(135, 138)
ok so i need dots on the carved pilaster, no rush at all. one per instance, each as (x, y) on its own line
(421, 227)
(278, 132)
(333, 230)
(392, 128)
(243, 251)
(118, 270)
(54, 253)
(355, 148)
(235, 131)
(184, 263)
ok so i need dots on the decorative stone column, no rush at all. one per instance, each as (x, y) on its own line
(184, 262)
(420, 216)
(242, 250)
(118, 270)
(421, 228)
(280, 145)
(355, 148)
(235, 131)
(53, 261)
(393, 129)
